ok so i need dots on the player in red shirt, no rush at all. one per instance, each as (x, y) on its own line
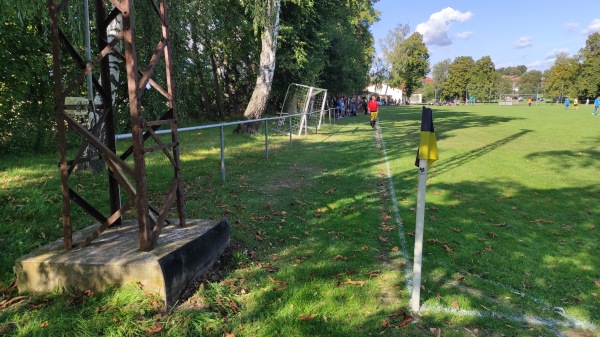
(373, 109)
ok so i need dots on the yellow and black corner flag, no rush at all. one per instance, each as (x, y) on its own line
(427, 145)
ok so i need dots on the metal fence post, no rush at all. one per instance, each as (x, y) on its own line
(290, 119)
(266, 140)
(222, 153)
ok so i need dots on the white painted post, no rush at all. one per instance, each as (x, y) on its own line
(418, 253)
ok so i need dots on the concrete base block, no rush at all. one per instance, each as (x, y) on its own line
(113, 259)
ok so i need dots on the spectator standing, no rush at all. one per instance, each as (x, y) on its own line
(596, 104)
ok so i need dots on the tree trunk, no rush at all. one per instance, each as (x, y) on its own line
(264, 80)
(216, 86)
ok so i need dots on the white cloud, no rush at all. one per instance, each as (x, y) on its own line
(556, 52)
(572, 26)
(524, 42)
(464, 35)
(435, 31)
(594, 27)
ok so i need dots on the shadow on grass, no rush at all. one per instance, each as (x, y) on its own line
(325, 197)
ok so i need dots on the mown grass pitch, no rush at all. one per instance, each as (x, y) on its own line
(510, 230)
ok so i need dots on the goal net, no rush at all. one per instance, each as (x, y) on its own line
(516, 99)
(305, 107)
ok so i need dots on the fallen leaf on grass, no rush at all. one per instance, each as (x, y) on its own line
(386, 218)
(330, 191)
(436, 331)
(448, 248)
(44, 324)
(395, 249)
(156, 328)
(281, 283)
(340, 257)
(362, 249)
(492, 234)
(456, 230)
(387, 228)
(455, 305)
(383, 239)
(541, 220)
(597, 283)
(307, 317)
(357, 283)
(6, 304)
(227, 334)
(406, 318)
(576, 298)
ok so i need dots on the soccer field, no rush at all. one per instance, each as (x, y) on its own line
(512, 211)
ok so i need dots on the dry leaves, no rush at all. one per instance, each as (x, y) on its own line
(388, 322)
(436, 331)
(154, 329)
(362, 249)
(340, 257)
(357, 283)
(307, 317)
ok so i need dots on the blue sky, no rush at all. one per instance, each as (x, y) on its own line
(511, 32)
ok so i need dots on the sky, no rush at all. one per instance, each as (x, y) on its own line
(511, 32)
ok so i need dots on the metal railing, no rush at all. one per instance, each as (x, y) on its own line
(222, 133)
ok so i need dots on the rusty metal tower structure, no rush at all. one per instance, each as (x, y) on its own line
(124, 173)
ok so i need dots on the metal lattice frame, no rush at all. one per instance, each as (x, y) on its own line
(121, 175)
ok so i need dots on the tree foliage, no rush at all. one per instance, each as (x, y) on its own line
(410, 63)
(588, 80)
(215, 45)
(459, 76)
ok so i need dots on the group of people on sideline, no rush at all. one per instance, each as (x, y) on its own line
(351, 106)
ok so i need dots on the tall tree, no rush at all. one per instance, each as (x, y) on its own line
(440, 75)
(410, 63)
(530, 82)
(588, 80)
(258, 102)
(561, 77)
(483, 75)
(459, 76)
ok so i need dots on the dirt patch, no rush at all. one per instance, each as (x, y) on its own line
(295, 178)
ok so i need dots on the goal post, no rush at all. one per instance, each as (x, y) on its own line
(516, 99)
(306, 107)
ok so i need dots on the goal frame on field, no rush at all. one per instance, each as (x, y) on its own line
(513, 99)
(306, 107)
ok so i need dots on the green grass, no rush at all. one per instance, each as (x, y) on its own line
(510, 231)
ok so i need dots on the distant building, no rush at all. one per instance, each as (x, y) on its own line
(383, 90)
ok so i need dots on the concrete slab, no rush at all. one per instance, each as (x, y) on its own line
(114, 259)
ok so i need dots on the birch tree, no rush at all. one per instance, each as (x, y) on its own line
(266, 70)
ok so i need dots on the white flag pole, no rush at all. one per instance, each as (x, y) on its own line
(418, 254)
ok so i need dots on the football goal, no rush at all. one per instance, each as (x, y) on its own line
(306, 107)
(516, 99)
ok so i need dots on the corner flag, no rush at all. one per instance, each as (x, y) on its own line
(426, 154)
(428, 145)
